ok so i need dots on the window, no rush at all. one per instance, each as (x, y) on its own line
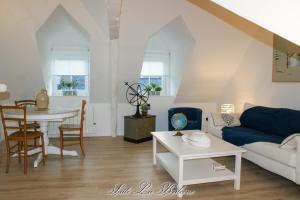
(156, 67)
(69, 73)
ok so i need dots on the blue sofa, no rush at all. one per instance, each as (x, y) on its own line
(263, 124)
(194, 116)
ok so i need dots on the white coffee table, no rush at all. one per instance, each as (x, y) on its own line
(189, 164)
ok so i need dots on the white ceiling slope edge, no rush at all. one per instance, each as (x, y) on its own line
(278, 16)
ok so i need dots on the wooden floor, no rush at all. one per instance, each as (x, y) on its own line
(111, 161)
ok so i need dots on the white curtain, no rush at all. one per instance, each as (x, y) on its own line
(70, 67)
(156, 64)
(70, 61)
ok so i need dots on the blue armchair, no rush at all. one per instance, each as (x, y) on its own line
(194, 116)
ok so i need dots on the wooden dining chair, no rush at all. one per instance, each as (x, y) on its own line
(74, 138)
(17, 136)
(29, 103)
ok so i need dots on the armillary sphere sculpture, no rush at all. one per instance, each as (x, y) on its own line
(136, 95)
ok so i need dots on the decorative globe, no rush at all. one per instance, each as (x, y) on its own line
(179, 121)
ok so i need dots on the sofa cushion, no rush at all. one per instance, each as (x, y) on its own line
(272, 151)
(277, 121)
(218, 119)
(241, 135)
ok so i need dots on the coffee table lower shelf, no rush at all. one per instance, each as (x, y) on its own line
(195, 171)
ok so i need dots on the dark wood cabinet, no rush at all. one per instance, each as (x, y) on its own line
(139, 130)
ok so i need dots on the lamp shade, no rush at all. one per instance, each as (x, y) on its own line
(3, 87)
(227, 108)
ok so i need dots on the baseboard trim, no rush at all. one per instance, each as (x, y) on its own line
(86, 135)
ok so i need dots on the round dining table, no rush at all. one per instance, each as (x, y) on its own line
(43, 117)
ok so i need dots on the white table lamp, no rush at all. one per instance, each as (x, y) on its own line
(3, 92)
(3, 87)
(227, 108)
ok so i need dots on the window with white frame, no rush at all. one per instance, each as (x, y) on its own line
(69, 72)
(155, 71)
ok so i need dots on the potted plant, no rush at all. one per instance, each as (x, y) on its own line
(158, 89)
(153, 86)
(148, 88)
(68, 87)
(145, 107)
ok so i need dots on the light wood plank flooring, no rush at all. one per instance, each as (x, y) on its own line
(111, 161)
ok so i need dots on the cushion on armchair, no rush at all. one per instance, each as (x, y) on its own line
(193, 124)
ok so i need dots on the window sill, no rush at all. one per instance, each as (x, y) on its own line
(151, 96)
(69, 96)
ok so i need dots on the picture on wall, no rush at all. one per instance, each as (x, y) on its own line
(286, 60)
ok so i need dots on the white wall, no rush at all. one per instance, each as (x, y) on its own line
(20, 21)
(231, 60)
(215, 58)
(159, 107)
(21, 62)
(97, 116)
(19, 59)
(218, 49)
(252, 81)
(181, 61)
(59, 31)
(138, 27)
(176, 39)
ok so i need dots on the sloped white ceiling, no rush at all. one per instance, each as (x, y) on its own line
(98, 10)
(174, 34)
(217, 53)
(278, 16)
